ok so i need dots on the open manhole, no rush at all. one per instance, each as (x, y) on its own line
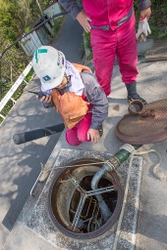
(76, 209)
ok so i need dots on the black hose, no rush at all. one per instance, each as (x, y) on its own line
(38, 133)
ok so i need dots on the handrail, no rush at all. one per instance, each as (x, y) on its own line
(15, 86)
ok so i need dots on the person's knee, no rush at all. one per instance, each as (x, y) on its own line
(72, 139)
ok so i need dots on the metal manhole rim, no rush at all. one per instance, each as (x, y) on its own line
(103, 228)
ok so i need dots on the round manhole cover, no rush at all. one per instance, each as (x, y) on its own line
(145, 127)
(76, 209)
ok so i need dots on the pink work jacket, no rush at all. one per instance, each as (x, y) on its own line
(104, 12)
(108, 12)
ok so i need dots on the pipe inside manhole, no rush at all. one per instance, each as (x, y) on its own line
(76, 209)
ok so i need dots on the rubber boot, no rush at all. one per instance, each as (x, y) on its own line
(132, 94)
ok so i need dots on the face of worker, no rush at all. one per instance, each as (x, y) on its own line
(63, 84)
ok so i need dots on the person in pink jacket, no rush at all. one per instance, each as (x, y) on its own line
(111, 24)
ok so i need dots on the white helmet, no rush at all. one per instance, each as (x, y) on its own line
(49, 66)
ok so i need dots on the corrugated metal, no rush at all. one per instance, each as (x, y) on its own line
(42, 34)
(30, 43)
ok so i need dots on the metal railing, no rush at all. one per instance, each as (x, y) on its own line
(15, 86)
(8, 93)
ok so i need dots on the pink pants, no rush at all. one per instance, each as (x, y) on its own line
(107, 44)
(78, 134)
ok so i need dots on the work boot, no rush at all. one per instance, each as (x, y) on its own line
(132, 94)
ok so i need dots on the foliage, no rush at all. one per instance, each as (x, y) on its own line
(17, 17)
(57, 24)
(158, 20)
(87, 37)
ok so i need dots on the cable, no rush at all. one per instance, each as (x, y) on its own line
(156, 171)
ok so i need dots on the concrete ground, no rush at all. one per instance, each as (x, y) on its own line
(151, 216)
(20, 165)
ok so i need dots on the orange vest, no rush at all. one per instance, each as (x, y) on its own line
(71, 106)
